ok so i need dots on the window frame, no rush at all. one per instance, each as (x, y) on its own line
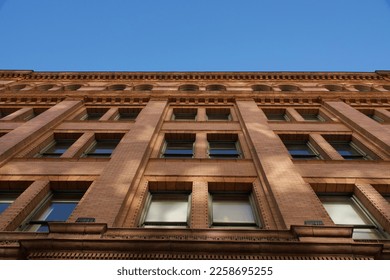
(314, 153)
(35, 221)
(360, 154)
(94, 145)
(180, 114)
(232, 196)
(46, 153)
(225, 114)
(361, 212)
(178, 139)
(166, 196)
(7, 198)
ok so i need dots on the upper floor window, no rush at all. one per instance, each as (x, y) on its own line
(218, 114)
(169, 209)
(301, 149)
(103, 145)
(289, 88)
(276, 114)
(94, 114)
(184, 114)
(311, 115)
(349, 148)
(59, 145)
(7, 111)
(189, 87)
(57, 207)
(232, 209)
(127, 114)
(224, 146)
(347, 210)
(371, 113)
(178, 145)
(6, 199)
(215, 87)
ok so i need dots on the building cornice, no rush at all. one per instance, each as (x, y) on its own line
(194, 76)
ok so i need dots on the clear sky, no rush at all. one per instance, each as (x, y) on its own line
(195, 35)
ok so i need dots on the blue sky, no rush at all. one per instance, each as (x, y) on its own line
(195, 35)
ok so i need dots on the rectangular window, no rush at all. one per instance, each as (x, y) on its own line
(57, 207)
(59, 145)
(276, 114)
(184, 114)
(218, 114)
(164, 209)
(94, 114)
(347, 210)
(347, 148)
(232, 210)
(299, 146)
(6, 199)
(311, 115)
(223, 146)
(178, 145)
(101, 147)
(7, 111)
(372, 114)
(127, 114)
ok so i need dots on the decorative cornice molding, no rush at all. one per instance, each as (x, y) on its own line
(193, 76)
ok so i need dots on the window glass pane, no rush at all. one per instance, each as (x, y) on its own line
(347, 150)
(312, 117)
(56, 209)
(178, 149)
(102, 148)
(232, 211)
(6, 199)
(365, 233)
(299, 149)
(57, 148)
(168, 209)
(276, 117)
(345, 212)
(223, 149)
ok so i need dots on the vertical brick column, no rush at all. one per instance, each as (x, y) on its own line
(26, 133)
(201, 117)
(14, 215)
(109, 115)
(199, 205)
(375, 203)
(105, 197)
(201, 145)
(292, 113)
(295, 199)
(359, 122)
(324, 148)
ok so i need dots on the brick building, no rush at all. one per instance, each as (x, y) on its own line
(249, 165)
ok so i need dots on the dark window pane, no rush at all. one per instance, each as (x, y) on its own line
(223, 150)
(178, 149)
(347, 151)
(300, 150)
(56, 148)
(102, 148)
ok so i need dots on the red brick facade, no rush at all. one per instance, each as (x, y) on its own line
(293, 139)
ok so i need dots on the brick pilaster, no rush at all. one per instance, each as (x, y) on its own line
(359, 122)
(107, 194)
(199, 205)
(25, 134)
(14, 215)
(278, 171)
(375, 203)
